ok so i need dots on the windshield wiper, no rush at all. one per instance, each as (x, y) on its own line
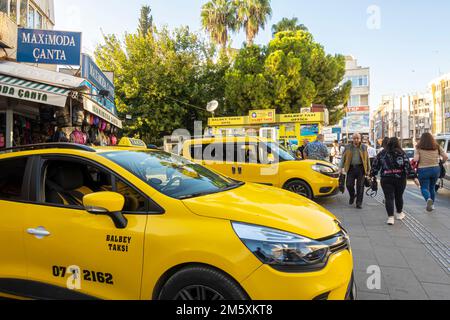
(201, 194)
(196, 195)
(233, 186)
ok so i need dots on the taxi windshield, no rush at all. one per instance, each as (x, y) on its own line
(283, 153)
(172, 175)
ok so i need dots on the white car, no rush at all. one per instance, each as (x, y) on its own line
(444, 142)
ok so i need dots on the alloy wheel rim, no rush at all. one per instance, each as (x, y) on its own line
(299, 189)
(198, 293)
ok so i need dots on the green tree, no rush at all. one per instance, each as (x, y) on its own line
(292, 72)
(164, 82)
(287, 24)
(252, 15)
(218, 19)
(146, 20)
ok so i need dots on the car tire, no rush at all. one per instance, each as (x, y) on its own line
(200, 283)
(300, 187)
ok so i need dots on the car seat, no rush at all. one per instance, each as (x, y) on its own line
(65, 184)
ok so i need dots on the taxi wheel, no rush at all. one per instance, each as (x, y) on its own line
(301, 188)
(199, 283)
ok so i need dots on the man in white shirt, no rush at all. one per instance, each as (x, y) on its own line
(372, 152)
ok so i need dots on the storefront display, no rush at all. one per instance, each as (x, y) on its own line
(61, 116)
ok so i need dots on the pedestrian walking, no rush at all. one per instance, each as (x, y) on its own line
(355, 163)
(384, 144)
(317, 150)
(394, 167)
(335, 154)
(372, 152)
(301, 149)
(428, 156)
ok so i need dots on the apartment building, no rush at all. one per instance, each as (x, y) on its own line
(358, 107)
(34, 14)
(440, 95)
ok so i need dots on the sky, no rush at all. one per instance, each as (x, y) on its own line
(406, 43)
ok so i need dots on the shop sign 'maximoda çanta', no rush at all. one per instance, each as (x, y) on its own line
(48, 47)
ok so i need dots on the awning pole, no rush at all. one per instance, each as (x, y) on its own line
(70, 104)
(9, 125)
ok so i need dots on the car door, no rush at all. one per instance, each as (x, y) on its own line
(253, 165)
(73, 254)
(13, 210)
(447, 165)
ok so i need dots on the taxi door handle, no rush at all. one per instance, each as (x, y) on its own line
(39, 233)
(239, 170)
(233, 170)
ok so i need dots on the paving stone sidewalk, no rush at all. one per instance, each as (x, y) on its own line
(408, 269)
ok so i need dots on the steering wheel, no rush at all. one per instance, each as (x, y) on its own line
(171, 182)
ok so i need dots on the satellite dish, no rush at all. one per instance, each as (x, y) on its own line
(212, 106)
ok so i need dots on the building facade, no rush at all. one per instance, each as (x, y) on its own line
(440, 95)
(406, 117)
(38, 104)
(32, 14)
(357, 118)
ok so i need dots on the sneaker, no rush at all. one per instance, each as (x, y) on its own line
(430, 205)
(400, 216)
(433, 208)
(391, 221)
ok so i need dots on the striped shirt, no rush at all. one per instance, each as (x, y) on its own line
(429, 158)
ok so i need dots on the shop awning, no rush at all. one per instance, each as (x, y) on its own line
(34, 84)
(33, 91)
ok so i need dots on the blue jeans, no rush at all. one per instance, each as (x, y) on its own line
(428, 178)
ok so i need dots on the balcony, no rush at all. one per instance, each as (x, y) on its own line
(8, 32)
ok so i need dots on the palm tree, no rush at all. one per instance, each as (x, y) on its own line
(218, 19)
(252, 15)
(287, 24)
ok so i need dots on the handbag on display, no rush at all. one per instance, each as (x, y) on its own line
(77, 116)
(2, 140)
(63, 118)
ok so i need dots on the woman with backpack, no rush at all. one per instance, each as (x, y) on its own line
(428, 156)
(394, 166)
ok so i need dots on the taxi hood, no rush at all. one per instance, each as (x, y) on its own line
(269, 207)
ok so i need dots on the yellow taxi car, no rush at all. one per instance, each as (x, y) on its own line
(134, 223)
(262, 161)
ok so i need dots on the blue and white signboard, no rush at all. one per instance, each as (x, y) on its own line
(98, 81)
(48, 47)
(91, 72)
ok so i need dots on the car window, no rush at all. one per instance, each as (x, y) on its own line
(67, 182)
(171, 175)
(247, 153)
(208, 152)
(11, 178)
(134, 200)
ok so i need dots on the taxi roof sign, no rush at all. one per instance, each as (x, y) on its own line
(132, 143)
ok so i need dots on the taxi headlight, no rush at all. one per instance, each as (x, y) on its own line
(326, 170)
(281, 250)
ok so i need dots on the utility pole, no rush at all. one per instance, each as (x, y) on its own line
(401, 122)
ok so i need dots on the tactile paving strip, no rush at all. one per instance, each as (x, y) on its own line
(438, 249)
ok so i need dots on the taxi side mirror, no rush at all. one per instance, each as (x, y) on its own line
(271, 158)
(110, 204)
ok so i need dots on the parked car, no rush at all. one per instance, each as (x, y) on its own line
(257, 160)
(444, 142)
(133, 223)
